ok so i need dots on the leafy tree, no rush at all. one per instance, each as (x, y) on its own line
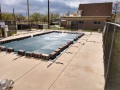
(35, 17)
(68, 13)
(44, 18)
(7, 16)
(20, 17)
(55, 16)
(116, 9)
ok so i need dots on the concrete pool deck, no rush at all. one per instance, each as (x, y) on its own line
(79, 68)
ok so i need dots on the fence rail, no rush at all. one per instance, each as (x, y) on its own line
(111, 49)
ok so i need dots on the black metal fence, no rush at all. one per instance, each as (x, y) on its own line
(38, 26)
(111, 48)
(11, 25)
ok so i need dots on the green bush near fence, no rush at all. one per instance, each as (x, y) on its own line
(11, 33)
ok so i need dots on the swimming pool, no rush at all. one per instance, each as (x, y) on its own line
(43, 44)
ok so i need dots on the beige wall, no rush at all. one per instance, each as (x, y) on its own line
(91, 25)
(88, 22)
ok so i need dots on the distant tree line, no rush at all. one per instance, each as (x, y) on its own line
(35, 17)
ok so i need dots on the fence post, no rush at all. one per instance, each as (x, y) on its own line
(104, 46)
(109, 60)
(107, 27)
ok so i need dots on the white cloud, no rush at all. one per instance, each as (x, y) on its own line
(73, 4)
(59, 6)
(10, 2)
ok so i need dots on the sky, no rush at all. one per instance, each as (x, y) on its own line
(40, 6)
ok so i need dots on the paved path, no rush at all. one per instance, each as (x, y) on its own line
(79, 68)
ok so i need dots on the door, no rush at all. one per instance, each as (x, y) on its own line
(74, 25)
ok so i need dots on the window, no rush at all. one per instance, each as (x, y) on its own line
(97, 22)
(81, 22)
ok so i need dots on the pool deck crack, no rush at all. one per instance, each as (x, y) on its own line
(28, 71)
(67, 64)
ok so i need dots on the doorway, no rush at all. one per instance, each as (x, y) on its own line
(74, 25)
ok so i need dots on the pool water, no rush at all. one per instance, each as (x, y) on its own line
(46, 43)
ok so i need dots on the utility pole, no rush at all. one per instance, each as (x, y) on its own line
(14, 14)
(14, 18)
(28, 13)
(48, 15)
(0, 12)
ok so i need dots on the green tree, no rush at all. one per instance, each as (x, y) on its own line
(44, 18)
(20, 17)
(54, 16)
(35, 17)
(7, 16)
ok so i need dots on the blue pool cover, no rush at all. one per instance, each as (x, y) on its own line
(46, 43)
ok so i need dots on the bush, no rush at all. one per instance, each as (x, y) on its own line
(11, 33)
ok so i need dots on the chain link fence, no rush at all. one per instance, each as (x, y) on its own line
(39, 26)
(111, 48)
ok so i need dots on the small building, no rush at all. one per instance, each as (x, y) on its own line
(89, 16)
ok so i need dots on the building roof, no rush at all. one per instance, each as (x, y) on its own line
(96, 9)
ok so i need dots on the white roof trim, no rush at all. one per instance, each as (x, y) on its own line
(83, 16)
(63, 20)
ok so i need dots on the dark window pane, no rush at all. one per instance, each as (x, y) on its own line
(97, 22)
(81, 22)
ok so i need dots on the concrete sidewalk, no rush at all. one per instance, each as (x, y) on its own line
(79, 68)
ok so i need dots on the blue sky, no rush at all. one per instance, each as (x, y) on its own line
(56, 6)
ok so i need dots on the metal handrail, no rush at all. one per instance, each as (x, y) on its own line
(118, 25)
